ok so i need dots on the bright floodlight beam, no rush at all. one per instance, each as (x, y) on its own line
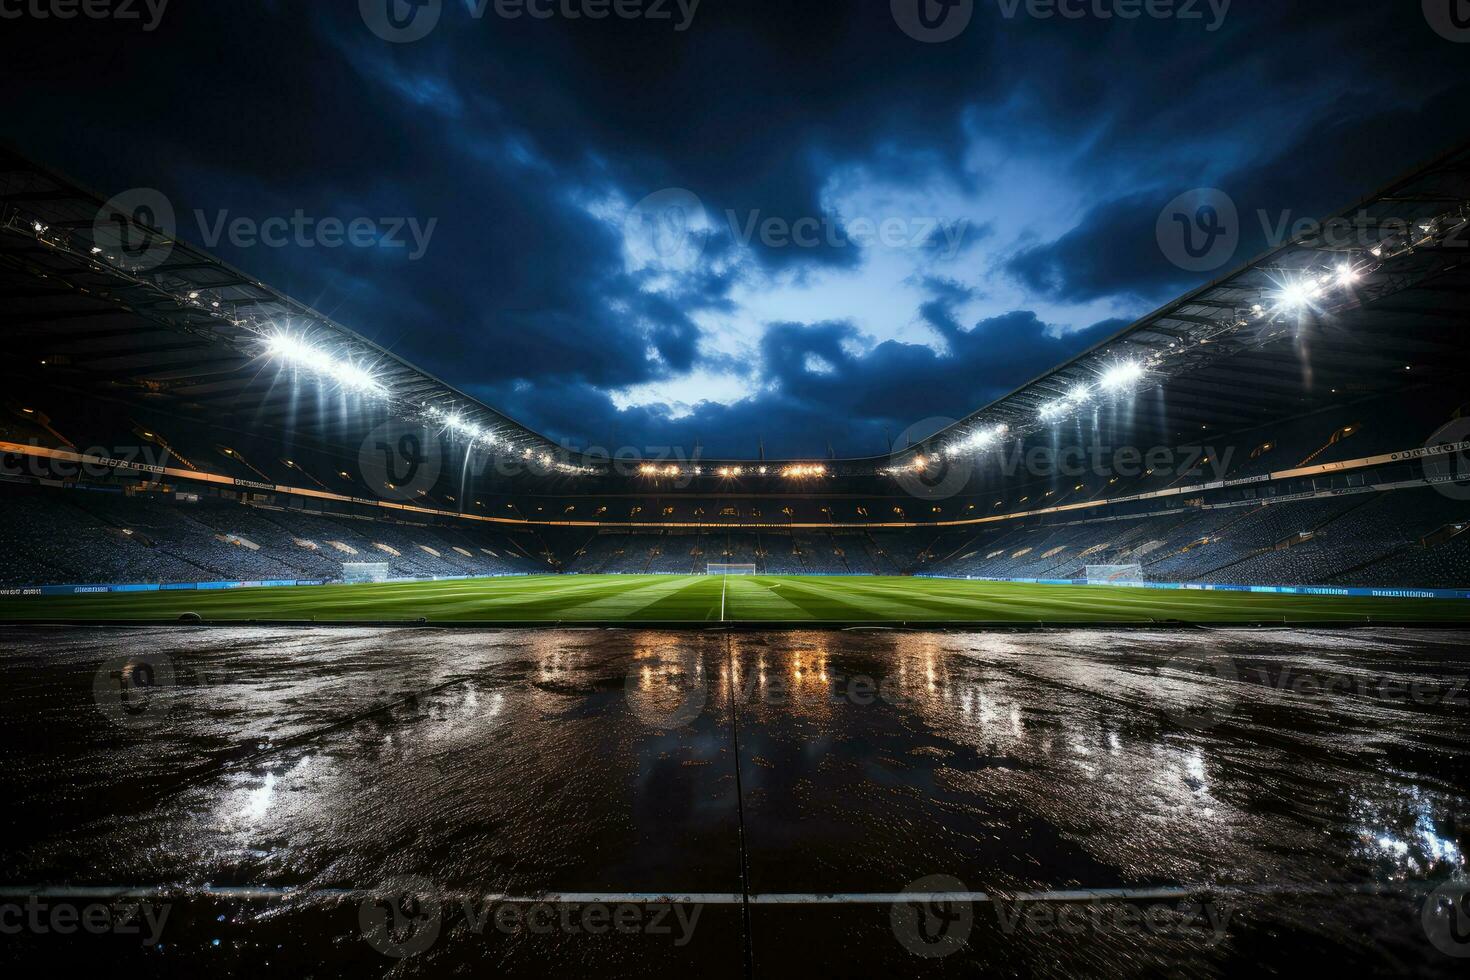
(1295, 295)
(294, 350)
(1125, 374)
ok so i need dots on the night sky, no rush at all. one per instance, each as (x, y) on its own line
(968, 213)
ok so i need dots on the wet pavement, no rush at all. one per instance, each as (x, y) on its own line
(426, 802)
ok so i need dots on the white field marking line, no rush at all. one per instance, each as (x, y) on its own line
(123, 892)
(723, 583)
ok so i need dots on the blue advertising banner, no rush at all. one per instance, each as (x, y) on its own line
(1340, 590)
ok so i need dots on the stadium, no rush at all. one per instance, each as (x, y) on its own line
(319, 664)
(167, 421)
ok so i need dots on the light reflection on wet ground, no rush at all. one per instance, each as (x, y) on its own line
(526, 762)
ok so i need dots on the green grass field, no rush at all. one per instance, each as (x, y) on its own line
(737, 599)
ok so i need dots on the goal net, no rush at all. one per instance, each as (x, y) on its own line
(717, 568)
(364, 571)
(1115, 573)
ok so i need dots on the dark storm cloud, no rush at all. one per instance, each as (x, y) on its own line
(522, 138)
(1113, 251)
(825, 388)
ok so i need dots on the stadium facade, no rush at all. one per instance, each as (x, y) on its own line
(169, 420)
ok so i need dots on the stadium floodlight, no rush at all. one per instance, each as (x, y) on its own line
(1054, 410)
(294, 350)
(1297, 295)
(474, 433)
(1079, 394)
(980, 439)
(1347, 275)
(1121, 375)
(355, 378)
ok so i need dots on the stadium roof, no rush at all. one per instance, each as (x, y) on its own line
(95, 296)
(1379, 289)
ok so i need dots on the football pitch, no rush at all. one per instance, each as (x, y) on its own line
(712, 599)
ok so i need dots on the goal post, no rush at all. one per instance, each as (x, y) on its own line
(1103, 574)
(723, 568)
(364, 571)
